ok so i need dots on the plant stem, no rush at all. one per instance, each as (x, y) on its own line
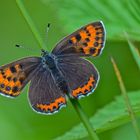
(30, 23)
(84, 119)
(74, 102)
(127, 101)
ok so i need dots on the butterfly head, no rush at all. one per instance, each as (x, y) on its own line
(48, 60)
(44, 53)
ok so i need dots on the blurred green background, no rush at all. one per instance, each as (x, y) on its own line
(17, 120)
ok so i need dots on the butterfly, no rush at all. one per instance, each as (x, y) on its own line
(54, 75)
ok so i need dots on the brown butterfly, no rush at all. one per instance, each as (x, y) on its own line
(55, 74)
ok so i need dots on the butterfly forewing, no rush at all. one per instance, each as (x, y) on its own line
(87, 41)
(81, 75)
(14, 76)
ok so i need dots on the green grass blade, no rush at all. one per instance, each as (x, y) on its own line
(84, 119)
(126, 99)
(133, 50)
(31, 24)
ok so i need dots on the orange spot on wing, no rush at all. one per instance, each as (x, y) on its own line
(8, 72)
(83, 35)
(52, 105)
(5, 82)
(1, 77)
(90, 44)
(86, 50)
(12, 84)
(90, 27)
(87, 86)
(73, 39)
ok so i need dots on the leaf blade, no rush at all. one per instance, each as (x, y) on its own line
(106, 118)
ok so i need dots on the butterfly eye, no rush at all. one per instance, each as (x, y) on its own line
(43, 52)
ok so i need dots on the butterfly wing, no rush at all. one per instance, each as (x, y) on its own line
(14, 76)
(44, 95)
(82, 77)
(87, 41)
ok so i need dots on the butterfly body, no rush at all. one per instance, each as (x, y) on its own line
(54, 75)
(49, 62)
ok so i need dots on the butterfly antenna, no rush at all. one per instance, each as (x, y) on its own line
(47, 31)
(43, 52)
(19, 46)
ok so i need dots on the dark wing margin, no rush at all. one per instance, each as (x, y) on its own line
(81, 75)
(44, 95)
(86, 41)
(14, 76)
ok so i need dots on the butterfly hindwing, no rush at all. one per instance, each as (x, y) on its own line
(44, 95)
(81, 75)
(87, 41)
(14, 76)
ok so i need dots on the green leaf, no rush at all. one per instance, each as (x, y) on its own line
(133, 50)
(116, 15)
(110, 116)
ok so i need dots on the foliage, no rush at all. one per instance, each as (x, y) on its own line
(110, 116)
(117, 15)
